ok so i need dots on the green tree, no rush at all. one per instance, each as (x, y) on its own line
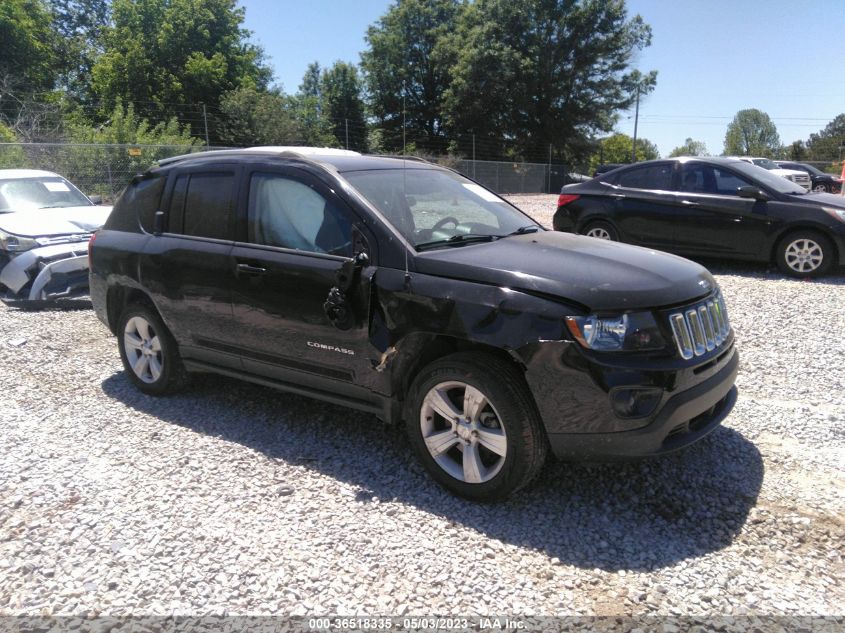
(690, 148)
(752, 133)
(252, 117)
(796, 151)
(80, 25)
(826, 143)
(170, 56)
(537, 72)
(407, 70)
(340, 89)
(27, 53)
(617, 149)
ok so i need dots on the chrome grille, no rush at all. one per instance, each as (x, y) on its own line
(700, 328)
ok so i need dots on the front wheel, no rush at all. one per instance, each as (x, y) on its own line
(474, 426)
(805, 254)
(150, 355)
(601, 230)
(821, 187)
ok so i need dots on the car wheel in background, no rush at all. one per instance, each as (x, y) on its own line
(150, 355)
(821, 187)
(601, 230)
(474, 425)
(804, 254)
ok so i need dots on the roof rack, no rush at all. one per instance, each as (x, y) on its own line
(279, 150)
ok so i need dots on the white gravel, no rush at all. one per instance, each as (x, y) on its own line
(233, 498)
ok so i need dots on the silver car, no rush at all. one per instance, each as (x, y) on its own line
(45, 225)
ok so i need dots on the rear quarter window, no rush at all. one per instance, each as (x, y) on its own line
(137, 206)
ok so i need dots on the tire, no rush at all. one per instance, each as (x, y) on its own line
(601, 230)
(505, 435)
(804, 254)
(142, 335)
(821, 187)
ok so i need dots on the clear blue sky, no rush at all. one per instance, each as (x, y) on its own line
(714, 58)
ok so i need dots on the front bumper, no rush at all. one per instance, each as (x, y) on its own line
(684, 419)
(46, 274)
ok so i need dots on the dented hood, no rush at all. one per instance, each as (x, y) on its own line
(58, 221)
(599, 274)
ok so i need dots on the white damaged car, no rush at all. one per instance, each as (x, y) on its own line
(45, 225)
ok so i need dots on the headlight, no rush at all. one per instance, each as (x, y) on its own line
(16, 244)
(626, 332)
(838, 214)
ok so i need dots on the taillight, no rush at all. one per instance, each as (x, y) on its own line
(565, 198)
(90, 246)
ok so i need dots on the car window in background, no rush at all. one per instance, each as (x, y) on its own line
(727, 183)
(765, 163)
(647, 177)
(28, 194)
(290, 214)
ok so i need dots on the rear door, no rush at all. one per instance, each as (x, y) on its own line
(646, 204)
(297, 235)
(189, 267)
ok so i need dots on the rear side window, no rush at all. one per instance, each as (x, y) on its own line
(202, 204)
(139, 200)
(648, 177)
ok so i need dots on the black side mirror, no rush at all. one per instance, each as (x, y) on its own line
(755, 193)
(158, 223)
(96, 199)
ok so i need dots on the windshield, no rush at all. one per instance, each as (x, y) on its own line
(29, 194)
(765, 163)
(437, 207)
(765, 177)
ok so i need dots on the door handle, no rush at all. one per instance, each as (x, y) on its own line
(690, 203)
(249, 269)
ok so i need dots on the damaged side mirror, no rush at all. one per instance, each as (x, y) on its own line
(339, 306)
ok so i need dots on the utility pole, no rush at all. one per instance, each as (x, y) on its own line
(346, 121)
(636, 121)
(205, 120)
(549, 181)
(473, 155)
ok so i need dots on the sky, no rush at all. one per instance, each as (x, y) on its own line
(713, 57)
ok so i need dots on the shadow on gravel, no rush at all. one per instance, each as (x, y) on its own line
(640, 515)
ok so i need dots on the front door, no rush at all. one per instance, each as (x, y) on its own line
(297, 236)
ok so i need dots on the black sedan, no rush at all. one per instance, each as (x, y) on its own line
(710, 207)
(821, 180)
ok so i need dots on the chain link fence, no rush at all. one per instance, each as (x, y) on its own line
(106, 169)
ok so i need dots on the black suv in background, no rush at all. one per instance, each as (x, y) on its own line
(405, 290)
(820, 180)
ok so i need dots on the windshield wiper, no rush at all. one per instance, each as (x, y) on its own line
(455, 240)
(530, 228)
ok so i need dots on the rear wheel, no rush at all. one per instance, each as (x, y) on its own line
(150, 355)
(821, 187)
(474, 426)
(601, 230)
(805, 254)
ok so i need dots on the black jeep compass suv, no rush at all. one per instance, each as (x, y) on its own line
(404, 289)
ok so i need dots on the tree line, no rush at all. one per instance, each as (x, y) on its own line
(511, 77)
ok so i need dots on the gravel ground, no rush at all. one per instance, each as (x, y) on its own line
(237, 499)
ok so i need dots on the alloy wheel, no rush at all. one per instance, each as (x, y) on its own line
(598, 232)
(143, 349)
(463, 432)
(820, 188)
(803, 255)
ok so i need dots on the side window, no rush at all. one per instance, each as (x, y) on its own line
(728, 182)
(208, 205)
(140, 199)
(647, 177)
(289, 214)
(698, 179)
